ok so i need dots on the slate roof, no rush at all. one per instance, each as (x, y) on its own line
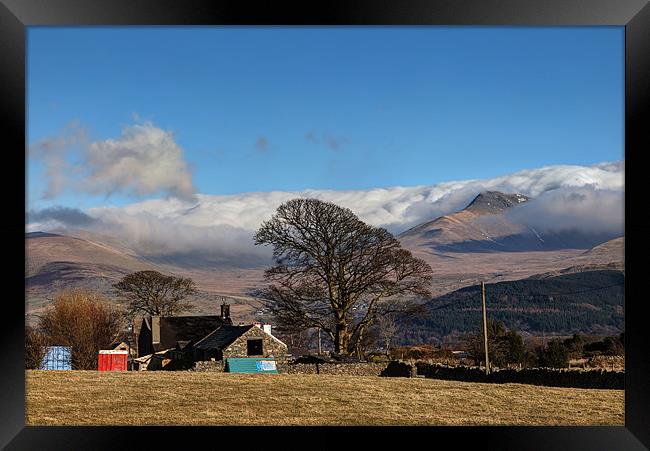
(222, 337)
(186, 328)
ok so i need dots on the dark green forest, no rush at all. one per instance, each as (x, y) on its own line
(588, 302)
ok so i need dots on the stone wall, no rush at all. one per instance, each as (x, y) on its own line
(554, 377)
(271, 346)
(346, 369)
(209, 365)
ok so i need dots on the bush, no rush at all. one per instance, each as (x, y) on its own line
(505, 347)
(554, 355)
(35, 348)
(84, 321)
(377, 358)
(611, 346)
(421, 352)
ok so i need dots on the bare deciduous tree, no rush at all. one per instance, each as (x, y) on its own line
(153, 293)
(335, 272)
(84, 321)
(387, 329)
(35, 348)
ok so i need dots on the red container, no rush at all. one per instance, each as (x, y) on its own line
(109, 360)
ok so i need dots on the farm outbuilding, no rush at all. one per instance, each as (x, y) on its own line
(112, 360)
(57, 358)
(157, 361)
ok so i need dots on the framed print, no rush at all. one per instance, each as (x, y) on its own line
(334, 223)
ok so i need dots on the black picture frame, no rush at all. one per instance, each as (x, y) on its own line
(16, 15)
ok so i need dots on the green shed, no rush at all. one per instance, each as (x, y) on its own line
(251, 365)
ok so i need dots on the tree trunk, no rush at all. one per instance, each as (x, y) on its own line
(342, 338)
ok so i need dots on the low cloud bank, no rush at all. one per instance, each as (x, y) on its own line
(62, 215)
(588, 198)
(586, 209)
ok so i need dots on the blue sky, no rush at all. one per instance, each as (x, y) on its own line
(266, 109)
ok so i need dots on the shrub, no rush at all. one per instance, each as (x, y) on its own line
(555, 355)
(84, 321)
(35, 348)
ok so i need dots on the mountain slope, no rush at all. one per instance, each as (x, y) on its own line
(484, 226)
(45, 250)
(480, 243)
(586, 302)
(55, 262)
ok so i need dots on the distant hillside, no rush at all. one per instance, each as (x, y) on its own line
(55, 262)
(587, 302)
(49, 253)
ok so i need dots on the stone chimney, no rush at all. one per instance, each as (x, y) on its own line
(155, 330)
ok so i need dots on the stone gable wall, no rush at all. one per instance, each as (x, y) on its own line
(270, 346)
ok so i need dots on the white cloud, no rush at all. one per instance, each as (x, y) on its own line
(143, 160)
(585, 208)
(223, 226)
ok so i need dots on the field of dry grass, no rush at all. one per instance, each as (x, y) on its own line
(188, 398)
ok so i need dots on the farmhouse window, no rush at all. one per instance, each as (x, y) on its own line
(254, 347)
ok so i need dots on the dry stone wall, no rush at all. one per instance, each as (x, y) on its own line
(577, 378)
(554, 377)
(346, 369)
(209, 365)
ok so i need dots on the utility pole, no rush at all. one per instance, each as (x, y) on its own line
(485, 334)
(129, 360)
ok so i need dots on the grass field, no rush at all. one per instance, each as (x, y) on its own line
(188, 398)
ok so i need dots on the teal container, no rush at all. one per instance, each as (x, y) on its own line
(251, 365)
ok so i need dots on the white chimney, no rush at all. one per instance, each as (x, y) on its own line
(267, 328)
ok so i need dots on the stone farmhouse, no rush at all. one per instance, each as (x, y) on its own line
(178, 342)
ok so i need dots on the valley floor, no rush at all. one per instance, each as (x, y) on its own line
(199, 398)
